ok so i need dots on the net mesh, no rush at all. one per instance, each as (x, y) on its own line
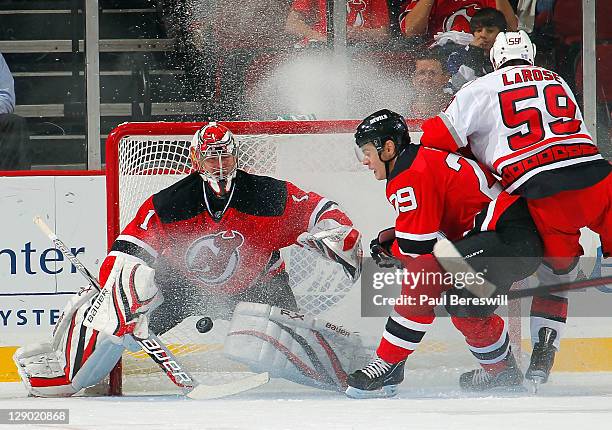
(148, 164)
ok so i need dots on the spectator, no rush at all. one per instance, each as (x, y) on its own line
(534, 14)
(14, 154)
(366, 20)
(429, 81)
(473, 61)
(428, 17)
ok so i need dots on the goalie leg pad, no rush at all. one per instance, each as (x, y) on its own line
(76, 358)
(44, 372)
(294, 346)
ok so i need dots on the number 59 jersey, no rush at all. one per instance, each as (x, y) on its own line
(523, 123)
(437, 194)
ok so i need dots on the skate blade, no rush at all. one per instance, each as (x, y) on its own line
(536, 382)
(387, 391)
(502, 389)
(513, 389)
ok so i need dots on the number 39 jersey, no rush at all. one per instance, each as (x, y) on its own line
(437, 194)
(524, 124)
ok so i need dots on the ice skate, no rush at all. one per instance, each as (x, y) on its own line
(542, 357)
(377, 379)
(510, 378)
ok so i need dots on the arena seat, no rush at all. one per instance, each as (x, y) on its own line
(604, 73)
(567, 18)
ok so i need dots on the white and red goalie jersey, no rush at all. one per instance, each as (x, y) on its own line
(222, 249)
(523, 123)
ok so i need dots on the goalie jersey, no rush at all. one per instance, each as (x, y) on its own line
(222, 249)
(438, 195)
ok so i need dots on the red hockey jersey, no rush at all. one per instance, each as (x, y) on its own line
(437, 194)
(447, 15)
(222, 249)
(359, 13)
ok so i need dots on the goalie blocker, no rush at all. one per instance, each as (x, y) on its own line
(294, 346)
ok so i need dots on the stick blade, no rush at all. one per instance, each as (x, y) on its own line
(207, 392)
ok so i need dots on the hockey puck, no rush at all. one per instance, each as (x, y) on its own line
(204, 325)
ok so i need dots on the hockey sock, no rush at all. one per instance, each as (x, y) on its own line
(410, 320)
(487, 339)
(551, 310)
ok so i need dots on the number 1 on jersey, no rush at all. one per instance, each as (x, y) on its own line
(145, 223)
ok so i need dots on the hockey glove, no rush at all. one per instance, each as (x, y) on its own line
(339, 243)
(380, 250)
(124, 304)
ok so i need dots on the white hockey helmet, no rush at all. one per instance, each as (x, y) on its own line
(214, 154)
(512, 46)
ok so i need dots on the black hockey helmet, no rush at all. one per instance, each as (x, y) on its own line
(381, 126)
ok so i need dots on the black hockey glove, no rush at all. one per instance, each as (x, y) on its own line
(380, 250)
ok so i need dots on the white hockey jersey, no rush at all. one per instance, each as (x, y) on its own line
(518, 121)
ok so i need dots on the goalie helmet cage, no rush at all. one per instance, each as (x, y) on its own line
(143, 158)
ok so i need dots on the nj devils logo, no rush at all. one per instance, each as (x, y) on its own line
(354, 10)
(214, 258)
(460, 20)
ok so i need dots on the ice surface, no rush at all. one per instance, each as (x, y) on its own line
(569, 401)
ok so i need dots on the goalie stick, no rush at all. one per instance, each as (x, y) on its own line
(155, 348)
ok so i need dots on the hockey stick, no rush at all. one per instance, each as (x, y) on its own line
(543, 290)
(155, 348)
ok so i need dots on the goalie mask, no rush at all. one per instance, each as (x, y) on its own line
(214, 154)
(512, 46)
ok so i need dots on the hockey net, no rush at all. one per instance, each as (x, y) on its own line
(143, 158)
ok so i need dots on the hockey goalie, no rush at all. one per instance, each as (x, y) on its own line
(208, 245)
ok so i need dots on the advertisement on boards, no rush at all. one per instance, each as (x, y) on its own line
(36, 280)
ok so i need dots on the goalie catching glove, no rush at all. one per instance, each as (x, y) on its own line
(336, 242)
(294, 346)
